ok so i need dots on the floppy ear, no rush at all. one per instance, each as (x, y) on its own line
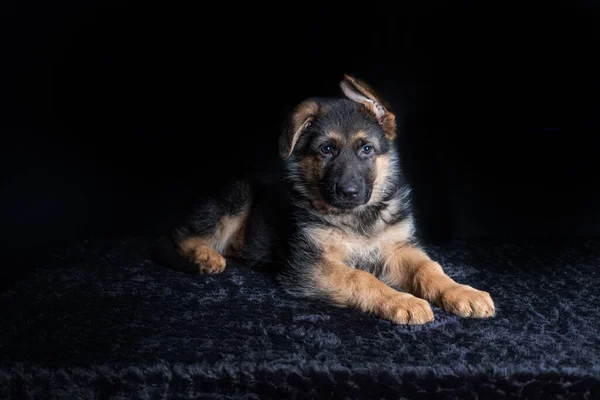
(361, 93)
(300, 119)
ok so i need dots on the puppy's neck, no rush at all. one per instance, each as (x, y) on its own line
(369, 219)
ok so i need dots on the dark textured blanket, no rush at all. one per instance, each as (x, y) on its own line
(105, 321)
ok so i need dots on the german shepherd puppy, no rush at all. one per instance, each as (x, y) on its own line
(340, 222)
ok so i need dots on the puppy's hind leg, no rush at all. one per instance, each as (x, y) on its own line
(215, 229)
(198, 251)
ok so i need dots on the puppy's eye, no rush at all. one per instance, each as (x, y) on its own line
(367, 149)
(326, 149)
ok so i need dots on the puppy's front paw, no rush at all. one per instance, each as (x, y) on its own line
(465, 301)
(407, 309)
(208, 260)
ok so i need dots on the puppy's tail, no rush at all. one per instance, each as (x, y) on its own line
(166, 254)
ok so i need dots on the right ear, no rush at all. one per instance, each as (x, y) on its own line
(300, 119)
(361, 93)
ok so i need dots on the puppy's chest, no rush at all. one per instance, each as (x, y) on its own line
(361, 252)
(367, 259)
(358, 250)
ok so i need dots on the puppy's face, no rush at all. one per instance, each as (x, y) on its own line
(340, 147)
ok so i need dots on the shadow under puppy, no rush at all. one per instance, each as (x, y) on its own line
(340, 222)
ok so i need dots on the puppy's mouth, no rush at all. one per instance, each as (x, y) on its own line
(337, 205)
(325, 208)
(346, 205)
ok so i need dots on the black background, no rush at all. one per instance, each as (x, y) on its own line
(113, 113)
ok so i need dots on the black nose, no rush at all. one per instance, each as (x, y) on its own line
(348, 191)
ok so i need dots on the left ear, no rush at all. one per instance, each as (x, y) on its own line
(361, 93)
(297, 122)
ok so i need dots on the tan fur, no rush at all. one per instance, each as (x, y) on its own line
(361, 290)
(345, 245)
(389, 125)
(349, 287)
(198, 251)
(382, 168)
(237, 241)
(412, 270)
(358, 137)
(226, 231)
(336, 137)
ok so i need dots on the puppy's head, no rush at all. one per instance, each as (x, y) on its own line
(338, 150)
